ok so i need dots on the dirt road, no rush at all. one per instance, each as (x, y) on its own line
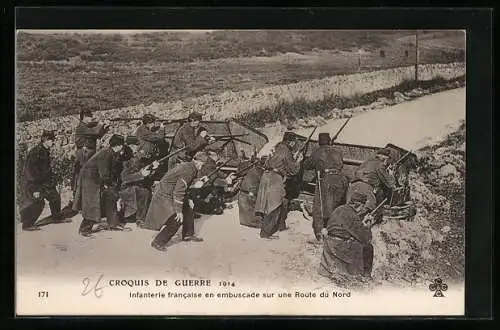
(412, 124)
(230, 251)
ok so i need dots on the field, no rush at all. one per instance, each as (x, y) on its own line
(62, 74)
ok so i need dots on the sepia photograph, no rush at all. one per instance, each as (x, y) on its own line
(240, 172)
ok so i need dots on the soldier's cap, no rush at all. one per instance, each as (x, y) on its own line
(201, 156)
(202, 129)
(148, 118)
(48, 135)
(195, 116)
(116, 140)
(384, 152)
(357, 197)
(324, 139)
(289, 136)
(212, 154)
(127, 153)
(85, 113)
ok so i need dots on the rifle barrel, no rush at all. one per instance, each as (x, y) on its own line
(305, 143)
(340, 129)
(125, 119)
(243, 170)
(378, 206)
(400, 160)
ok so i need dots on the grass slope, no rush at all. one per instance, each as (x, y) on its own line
(60, 74)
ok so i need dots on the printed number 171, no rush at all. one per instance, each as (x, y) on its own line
(43, 294)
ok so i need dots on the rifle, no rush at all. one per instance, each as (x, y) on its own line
(374, 211)
(168, 121)
(378, 207)
(340, 130)
(231, 137)
(399, 161)
(244, 169)
(320, 195)
(209, 175)
(305, 144)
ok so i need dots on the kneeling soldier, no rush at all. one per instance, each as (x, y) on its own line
(347, 248)
(372, 180)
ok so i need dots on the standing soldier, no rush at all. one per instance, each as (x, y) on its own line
(39, 184)
(86, 135)
(347, 249)
(372, 180)
(331, 185)
(169, 206)
(271, 193)
(149, 141)
(96, 192)
(248, 195)
(188, 136)
(136, 188)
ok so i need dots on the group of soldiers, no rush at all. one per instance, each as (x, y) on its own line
(133, 183)
(117, 181)
(343, 211)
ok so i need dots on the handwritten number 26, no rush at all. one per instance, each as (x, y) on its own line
(98, 291)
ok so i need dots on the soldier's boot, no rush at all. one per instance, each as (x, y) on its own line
(31, 228)
(159, 247)
(85, 229)
(317, 240)
(192, 238)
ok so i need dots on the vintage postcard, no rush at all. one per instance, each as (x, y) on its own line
(240, 172)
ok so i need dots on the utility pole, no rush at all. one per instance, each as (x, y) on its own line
(416, 56)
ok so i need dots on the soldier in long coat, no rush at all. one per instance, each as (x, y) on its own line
(328, 161)
(39, 184)
(347, 249)
(372, 180)
(97, 188)
(149, 140)
(136, 185)
(190, 136)
(170, 207)
(271, 192)
(86, 135)
(247, 196)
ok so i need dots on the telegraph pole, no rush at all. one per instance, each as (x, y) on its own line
(416, 56)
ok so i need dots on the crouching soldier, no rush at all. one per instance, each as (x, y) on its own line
(248, 195)
(373, 181)
(331, 184)
(271, 193)
(97, 192)
(136, 187)
(208, 192)
(39, 184)
(169, 206)
(347, 249)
